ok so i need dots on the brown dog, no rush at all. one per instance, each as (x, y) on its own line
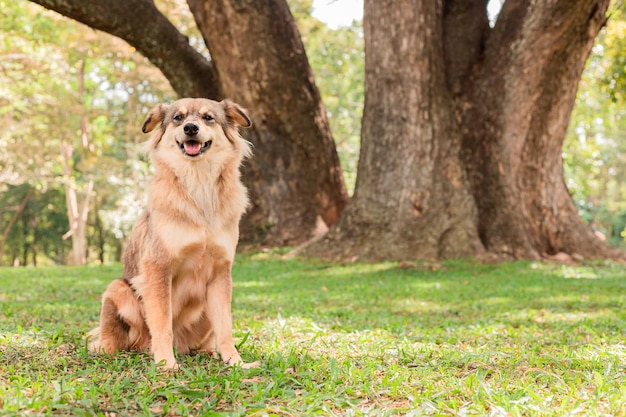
(177, 284)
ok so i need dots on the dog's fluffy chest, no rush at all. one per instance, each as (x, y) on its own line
(201, 185)
(217, 194)
(189, 285)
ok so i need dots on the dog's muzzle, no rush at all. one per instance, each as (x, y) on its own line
(190, 146)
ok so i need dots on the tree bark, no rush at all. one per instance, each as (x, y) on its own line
(412, 197)
(517, 106)
(143, 26)
(295, 178)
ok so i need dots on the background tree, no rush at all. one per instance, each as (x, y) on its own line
(14, 201)
(517, 123)
(462, 140)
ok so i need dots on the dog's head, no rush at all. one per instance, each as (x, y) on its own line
(197, 127)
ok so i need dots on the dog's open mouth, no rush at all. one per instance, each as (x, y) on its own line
(193, 148)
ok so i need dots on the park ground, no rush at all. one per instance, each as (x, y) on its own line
(358, 339)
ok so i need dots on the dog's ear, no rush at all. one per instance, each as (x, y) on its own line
(235, 114)
(155, 116)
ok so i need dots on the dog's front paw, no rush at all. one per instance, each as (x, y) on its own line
(166, 364)
(231, 358)
(236, 360)
(250, 365)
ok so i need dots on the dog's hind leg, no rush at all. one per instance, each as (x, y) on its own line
(122, 326)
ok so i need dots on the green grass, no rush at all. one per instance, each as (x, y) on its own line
(454, 338)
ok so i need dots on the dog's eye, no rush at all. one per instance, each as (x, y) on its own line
(207, 117)
(178, 117)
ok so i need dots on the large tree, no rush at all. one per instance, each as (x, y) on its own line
(258, 60)
(463, 128)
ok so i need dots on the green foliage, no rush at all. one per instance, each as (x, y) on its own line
(455, 338)
(613, 79)
(57, 75)
(594, 161)
(34, 238)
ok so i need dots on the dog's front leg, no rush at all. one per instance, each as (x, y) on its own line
(156, 293)
(219, 299)
(219, 295)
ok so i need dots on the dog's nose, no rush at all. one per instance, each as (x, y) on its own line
(190, 129)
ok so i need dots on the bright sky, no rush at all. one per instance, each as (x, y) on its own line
(337, 13)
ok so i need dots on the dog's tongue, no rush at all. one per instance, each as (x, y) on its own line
(192, 147)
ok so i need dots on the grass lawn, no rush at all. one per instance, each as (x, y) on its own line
(452, 338)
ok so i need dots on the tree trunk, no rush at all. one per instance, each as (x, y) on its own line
(99, 231)
(517, 106)
(294, 179)
(77, 211)
(463, 130)
(412, 197)
(25, 231)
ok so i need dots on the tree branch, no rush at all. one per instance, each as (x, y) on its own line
(551, 26)
(143, 26)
